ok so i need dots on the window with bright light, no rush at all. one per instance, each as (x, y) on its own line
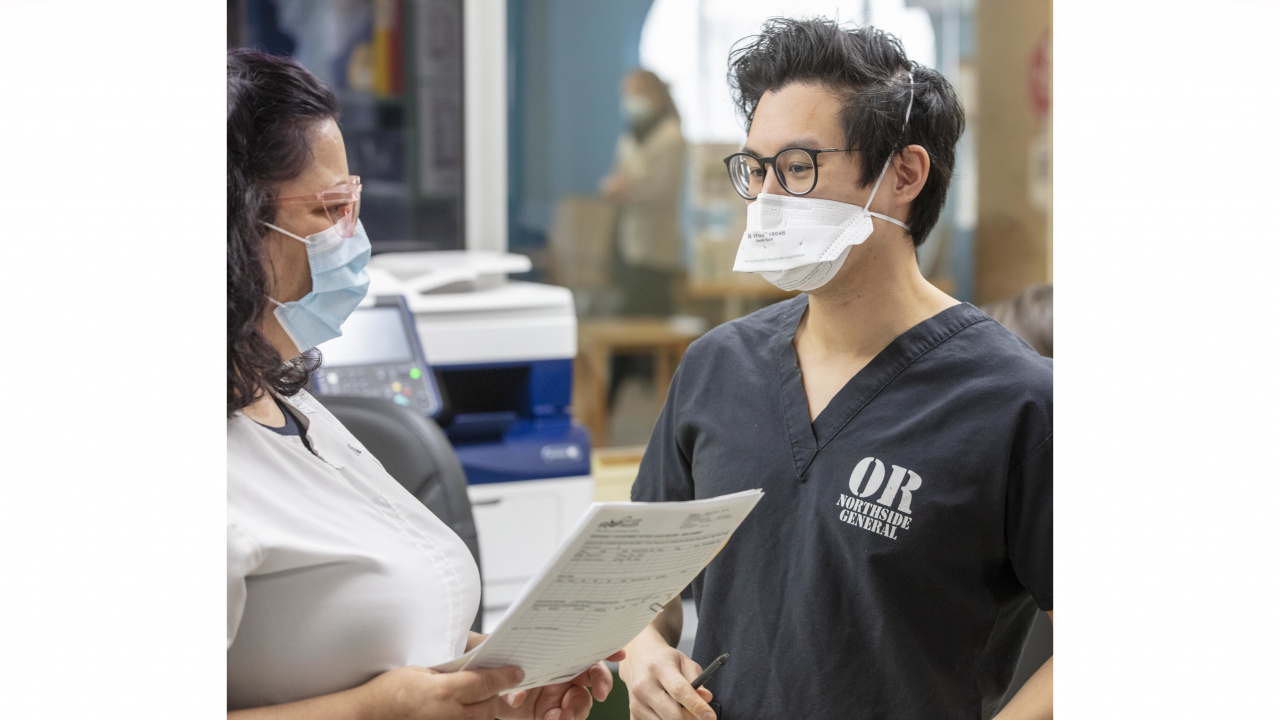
(687, 44)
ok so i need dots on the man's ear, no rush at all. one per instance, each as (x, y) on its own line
(911, 167)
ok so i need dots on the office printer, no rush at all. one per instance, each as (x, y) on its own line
(502, 355)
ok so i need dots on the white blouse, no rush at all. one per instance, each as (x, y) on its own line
(335, 573)
(649, 231)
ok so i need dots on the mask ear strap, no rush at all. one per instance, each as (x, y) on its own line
(910, 101)
(282, 231)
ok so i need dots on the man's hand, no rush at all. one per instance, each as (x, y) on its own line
(562, 701)
(658, 681)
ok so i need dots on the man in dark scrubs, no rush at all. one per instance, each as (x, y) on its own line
(904, 440)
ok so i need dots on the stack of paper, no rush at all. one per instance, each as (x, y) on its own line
(616, 570)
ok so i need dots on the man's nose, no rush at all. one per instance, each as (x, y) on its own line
(772, 186)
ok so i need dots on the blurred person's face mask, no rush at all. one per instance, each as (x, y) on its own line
(636, 109)
(800, 243)
(339, 282)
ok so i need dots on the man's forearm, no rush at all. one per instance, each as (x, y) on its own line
(670, 622)
(1034, 700)
(664, 628)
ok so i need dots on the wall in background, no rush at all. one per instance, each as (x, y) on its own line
(566, 59)
(1014, 52)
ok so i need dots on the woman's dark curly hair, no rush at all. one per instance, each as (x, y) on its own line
(271, 103)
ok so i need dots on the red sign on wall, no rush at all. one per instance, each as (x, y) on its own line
(1040, 76)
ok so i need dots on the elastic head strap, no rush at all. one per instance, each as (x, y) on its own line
(883, 170)
(910, 101)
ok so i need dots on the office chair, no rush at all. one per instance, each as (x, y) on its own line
(415, 451)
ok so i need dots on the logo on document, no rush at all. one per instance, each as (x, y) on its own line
(626, 522)
(888, 514)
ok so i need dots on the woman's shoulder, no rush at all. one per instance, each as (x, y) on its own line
(665, 134)
(668, 131)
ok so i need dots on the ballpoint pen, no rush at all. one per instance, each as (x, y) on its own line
(711, 670)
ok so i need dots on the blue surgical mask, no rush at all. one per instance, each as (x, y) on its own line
(339, 282)
(635, 109)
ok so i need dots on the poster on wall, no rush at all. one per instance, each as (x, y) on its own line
(439, 71)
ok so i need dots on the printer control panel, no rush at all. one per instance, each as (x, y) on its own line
(379, 355)
(403, 383)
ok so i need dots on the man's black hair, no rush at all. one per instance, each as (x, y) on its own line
(868, 69)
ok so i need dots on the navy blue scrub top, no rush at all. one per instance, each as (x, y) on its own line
(894, 566)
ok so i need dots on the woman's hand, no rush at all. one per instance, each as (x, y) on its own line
(562, 701)
(415, 693)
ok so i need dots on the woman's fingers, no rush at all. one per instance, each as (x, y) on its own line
(550, 698)
(483, 710)
(601, 681)
(471, 686)
(576, 705)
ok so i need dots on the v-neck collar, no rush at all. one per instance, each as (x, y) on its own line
(318, 440)
(806, 438)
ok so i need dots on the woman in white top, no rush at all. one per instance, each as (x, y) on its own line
(647, 182)
(341, 587)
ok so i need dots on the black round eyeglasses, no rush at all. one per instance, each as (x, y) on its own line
(795, 168)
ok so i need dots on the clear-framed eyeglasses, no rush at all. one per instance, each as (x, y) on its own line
(341, 204)
(795, 168)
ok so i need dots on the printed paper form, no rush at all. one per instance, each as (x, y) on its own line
(615, 571)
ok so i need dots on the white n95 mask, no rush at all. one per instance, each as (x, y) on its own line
(799, 242)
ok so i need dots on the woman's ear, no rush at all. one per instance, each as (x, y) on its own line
(912, 169)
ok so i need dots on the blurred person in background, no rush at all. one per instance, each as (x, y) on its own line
(647, 182)
(1029, 314)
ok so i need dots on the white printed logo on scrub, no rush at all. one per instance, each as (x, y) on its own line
(888, 513)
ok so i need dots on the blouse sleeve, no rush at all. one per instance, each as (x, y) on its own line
(243, 557)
